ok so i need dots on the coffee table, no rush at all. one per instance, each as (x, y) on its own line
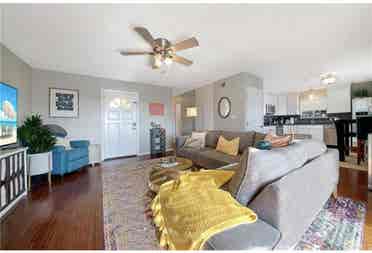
(159, 175)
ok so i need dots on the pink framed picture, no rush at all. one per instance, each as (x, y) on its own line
(156, 109)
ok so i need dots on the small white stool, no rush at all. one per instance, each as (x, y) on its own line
(94, 154)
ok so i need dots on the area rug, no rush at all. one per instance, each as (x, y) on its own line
(124, 202)
(339, 225)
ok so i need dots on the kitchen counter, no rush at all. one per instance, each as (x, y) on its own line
(324, 130)
(307, 122)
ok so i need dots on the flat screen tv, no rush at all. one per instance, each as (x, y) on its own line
(8, 115)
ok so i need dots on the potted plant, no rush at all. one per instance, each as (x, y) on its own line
(40, 142)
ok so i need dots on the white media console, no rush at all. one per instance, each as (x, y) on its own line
(13, 178)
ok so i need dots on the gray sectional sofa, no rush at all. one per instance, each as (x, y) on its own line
(286, 187)
(208, 157)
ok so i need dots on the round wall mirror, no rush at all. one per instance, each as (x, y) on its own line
(224, 107)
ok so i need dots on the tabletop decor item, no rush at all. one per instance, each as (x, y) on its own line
(168, 162)
(63, 103)
(159, 174)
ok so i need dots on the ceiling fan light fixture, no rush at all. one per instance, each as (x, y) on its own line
(168, 60)
(157, 60)
(328, 78)
(163, 51)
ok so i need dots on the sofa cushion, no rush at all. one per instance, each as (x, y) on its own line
(193, 143)
(213, 154)
(230, 147)
(63, 142)
(190, 153)
(237, 178)
(199, 136)
(211, 138)
(313, 148)
(76, 153)
(246, 138)
(207, 158)
(266, 166)
(253, 236)
(258, 137)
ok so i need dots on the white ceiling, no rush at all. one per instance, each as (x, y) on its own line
(287, 45)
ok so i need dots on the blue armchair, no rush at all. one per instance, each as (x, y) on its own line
(69, 160)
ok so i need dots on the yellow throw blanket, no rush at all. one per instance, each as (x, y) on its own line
(190, 210)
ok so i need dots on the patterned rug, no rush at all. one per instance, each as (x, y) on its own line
(124, 202)
(339, 225)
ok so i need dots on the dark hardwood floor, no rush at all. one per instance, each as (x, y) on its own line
(70, 215)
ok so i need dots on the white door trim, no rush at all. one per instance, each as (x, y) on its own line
(130, 93)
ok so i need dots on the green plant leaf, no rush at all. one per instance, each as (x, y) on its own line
(35, 136)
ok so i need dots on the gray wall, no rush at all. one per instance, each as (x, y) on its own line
(88, 125)
(236, 89)
(204, 98)
(186, 100)
(17, 73)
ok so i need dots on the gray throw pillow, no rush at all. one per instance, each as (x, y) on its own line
(192, 143)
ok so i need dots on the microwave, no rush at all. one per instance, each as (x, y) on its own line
(269, 109)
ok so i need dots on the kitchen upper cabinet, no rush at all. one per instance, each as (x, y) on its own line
(338, 99)
(293, 103)
(313, 100)
(270, 99)
(282, 105)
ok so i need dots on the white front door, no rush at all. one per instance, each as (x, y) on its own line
(120, 123)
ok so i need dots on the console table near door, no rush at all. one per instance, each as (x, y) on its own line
(13, 178)
(157, 142)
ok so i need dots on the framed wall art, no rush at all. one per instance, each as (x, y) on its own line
(63, 103)
(156, 109)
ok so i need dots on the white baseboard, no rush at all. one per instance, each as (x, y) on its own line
(148, 153)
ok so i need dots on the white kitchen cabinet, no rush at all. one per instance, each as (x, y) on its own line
(338, 98)
(316, 132)
(293, 103)
(270, 99)
(281, 105)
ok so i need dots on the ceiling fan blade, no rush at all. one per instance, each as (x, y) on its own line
(135, 53)
(189, 43)
(181, 60)
(145, 34)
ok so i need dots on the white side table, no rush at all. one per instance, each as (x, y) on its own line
(94, 154)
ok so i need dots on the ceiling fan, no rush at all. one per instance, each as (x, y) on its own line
(163, 51)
